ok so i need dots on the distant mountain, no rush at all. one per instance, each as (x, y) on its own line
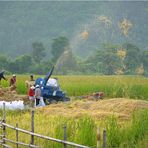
(87, 24)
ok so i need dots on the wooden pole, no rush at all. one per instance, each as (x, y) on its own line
(4, 111)
(65, 135)
(4, 121)
(98, 138)
(32, 127)
(104, 138)
(16, 135)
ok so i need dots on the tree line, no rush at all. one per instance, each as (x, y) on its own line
(110, 59)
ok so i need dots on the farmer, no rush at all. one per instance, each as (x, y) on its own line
(13, 82)
(2, 75)
(37, 94)
(38, 98)
(31, 94)
(31, 78)
(30, 82)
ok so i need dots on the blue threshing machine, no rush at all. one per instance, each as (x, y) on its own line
(50, 89)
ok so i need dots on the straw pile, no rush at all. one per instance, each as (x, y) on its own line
(7, 95)
(120, 107)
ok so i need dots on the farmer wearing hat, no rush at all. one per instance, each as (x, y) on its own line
(13, 82)
(31, 94)
(30, 82)
(31, 78)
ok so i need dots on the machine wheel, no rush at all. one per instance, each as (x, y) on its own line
(53, 102)
(66, 99)
(47, 102)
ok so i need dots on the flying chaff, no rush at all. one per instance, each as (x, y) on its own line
(85, 35)
(105, 20)
(124, 26)
(121, 53)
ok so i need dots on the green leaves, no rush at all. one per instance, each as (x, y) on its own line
(38, 52)
(59, 45)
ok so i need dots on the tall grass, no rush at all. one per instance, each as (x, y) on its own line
(113, 86)
(81, 130)
(127, 134)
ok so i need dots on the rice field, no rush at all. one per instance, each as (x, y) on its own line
(81, 130)
(126, 121)
(134, 87)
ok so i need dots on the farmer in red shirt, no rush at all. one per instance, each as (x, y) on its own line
(31, 93)
(13, 80)
(13, 83)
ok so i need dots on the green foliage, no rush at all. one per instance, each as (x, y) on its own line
(65, 63)
(59, 45)
(127, 134)
(133, 58)
(21, 64)
(145, 60)
(93, 64)
(107, 61)
(42, 68)
(113, 132)
(86, 129)
(3, 62)
(104, 61)
(111, 63)
(38, 52)
(110, 47)
(136, 130)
